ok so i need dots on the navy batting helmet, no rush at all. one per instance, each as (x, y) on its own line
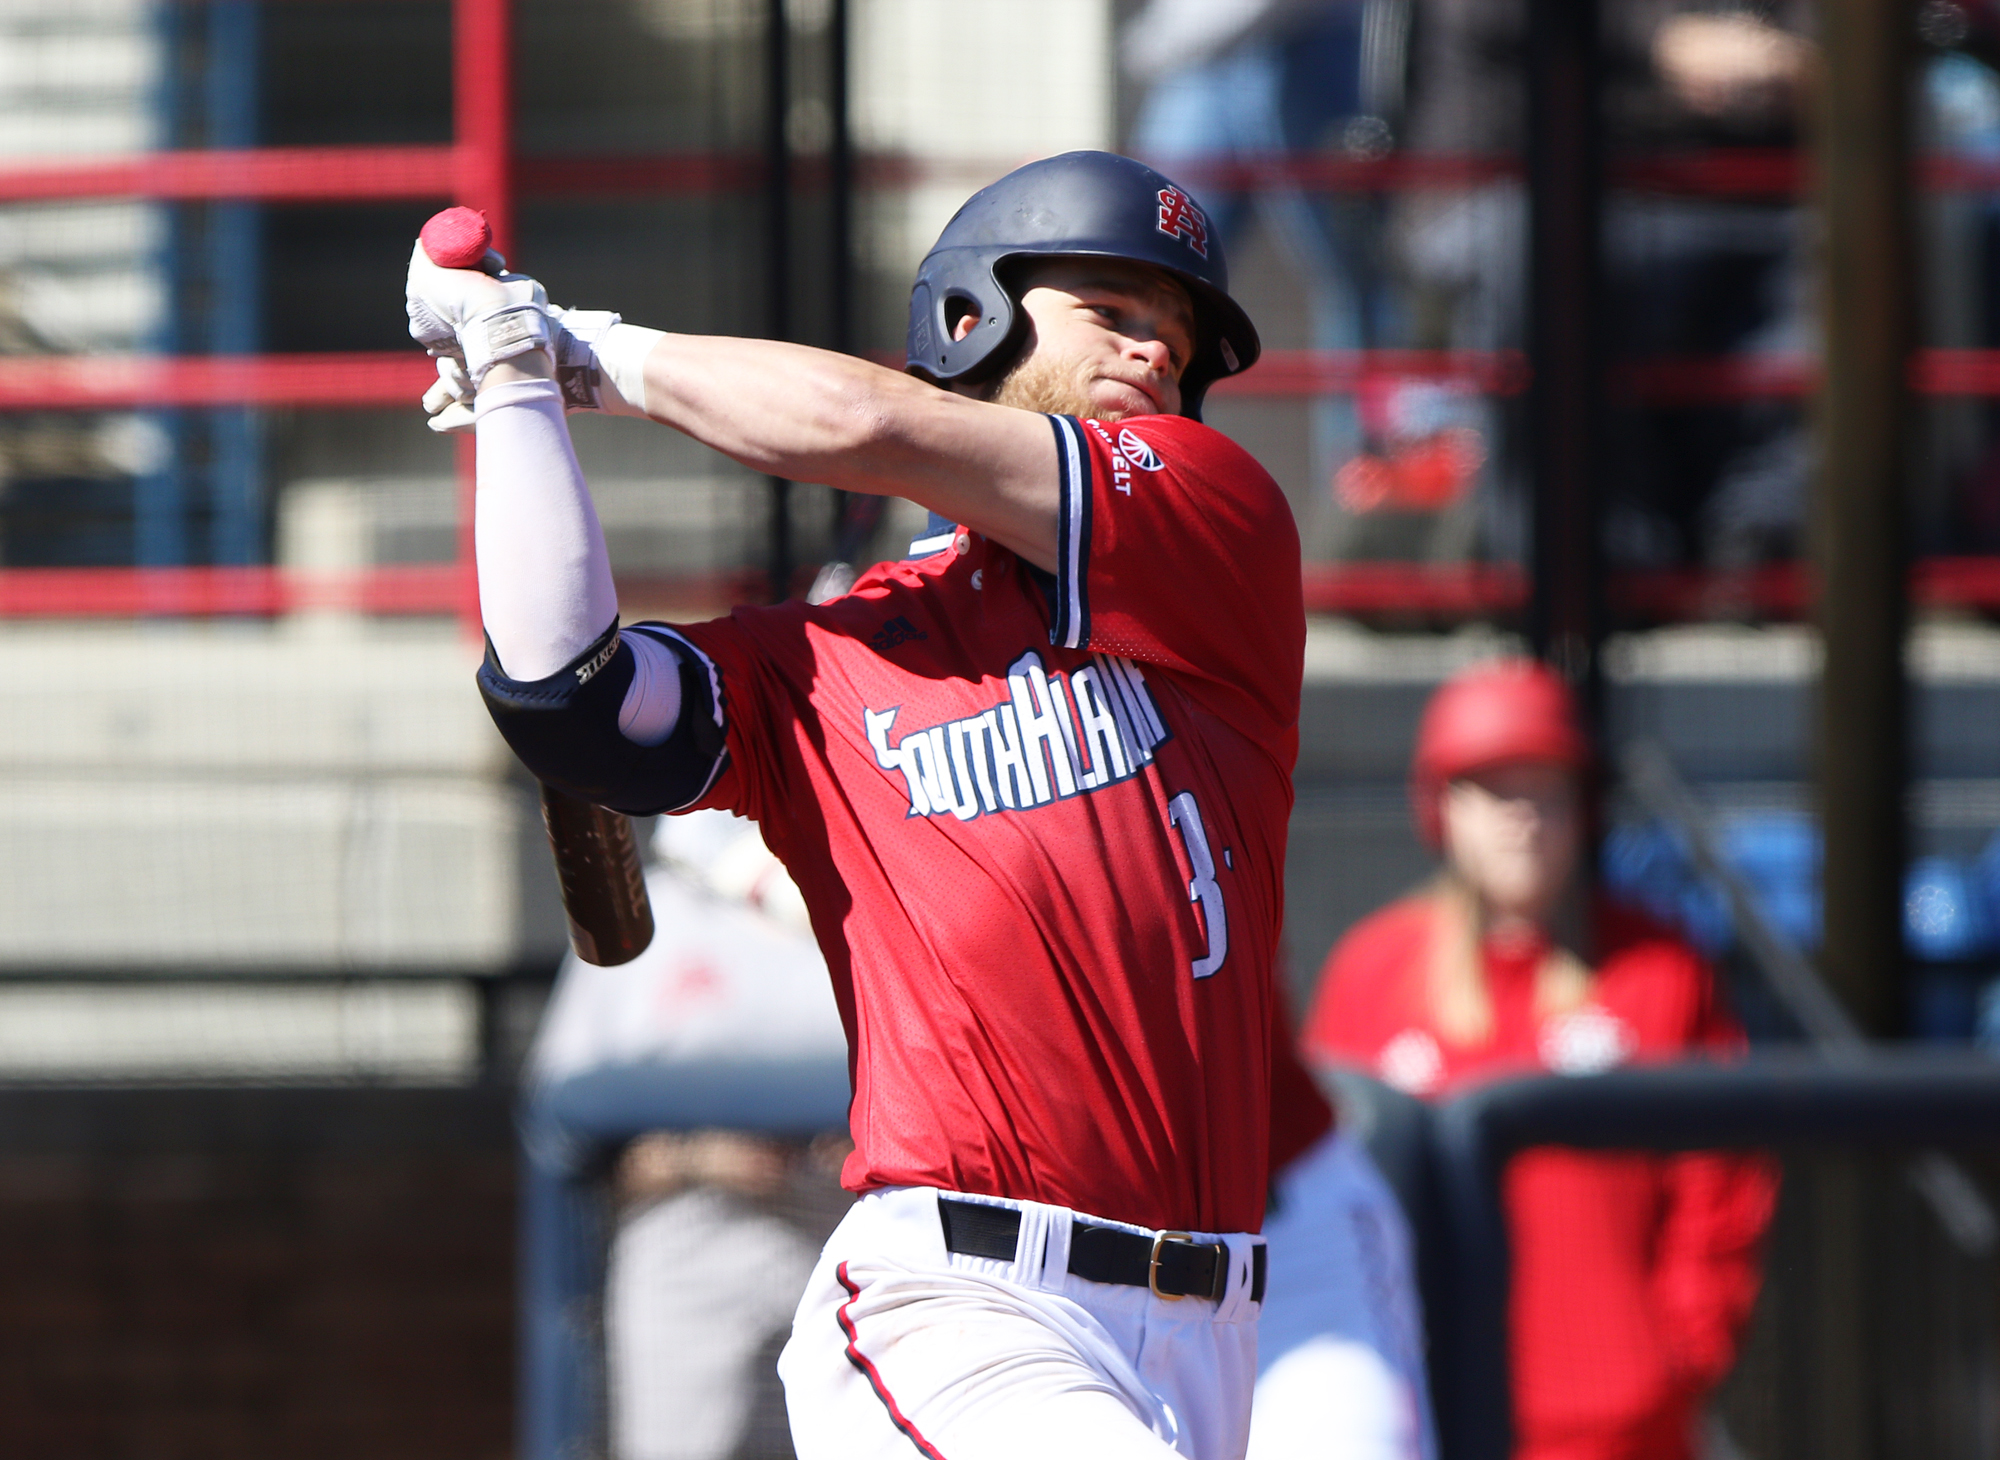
(1094, 204)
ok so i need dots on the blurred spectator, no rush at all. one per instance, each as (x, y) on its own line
(1243, 96)
(1959, 123)
(1700, 273)
(1708, 275)
(1731, 67)
(1633, 1275)
(717, 1230)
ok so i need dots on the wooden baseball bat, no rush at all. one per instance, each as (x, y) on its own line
(603, 883)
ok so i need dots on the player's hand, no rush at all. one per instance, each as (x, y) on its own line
(448, 402)
(480, 316)
(438, 301)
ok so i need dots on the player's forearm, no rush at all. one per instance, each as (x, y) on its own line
(813, 415)
(544, 579)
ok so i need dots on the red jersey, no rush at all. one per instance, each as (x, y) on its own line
(1632, 1274)
(1041, 831)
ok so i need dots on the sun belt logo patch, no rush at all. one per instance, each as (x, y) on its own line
(1136, 451)
(1180, 218)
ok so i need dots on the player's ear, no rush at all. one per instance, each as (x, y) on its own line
(965, 324)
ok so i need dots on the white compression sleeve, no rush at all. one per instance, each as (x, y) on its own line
(545, 588)
(544, 580)
(652, 704)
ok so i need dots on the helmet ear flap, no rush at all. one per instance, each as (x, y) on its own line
(980, 353)
(949, 289)
(954, 305)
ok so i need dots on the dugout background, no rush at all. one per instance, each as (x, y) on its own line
(275, 917)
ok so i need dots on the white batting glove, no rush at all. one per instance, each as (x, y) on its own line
(582, 380)
(588, 381)
(448, 402)
(481, 316)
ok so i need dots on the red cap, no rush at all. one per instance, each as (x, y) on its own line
(1502, 711)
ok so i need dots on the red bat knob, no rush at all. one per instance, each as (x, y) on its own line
(457, 238)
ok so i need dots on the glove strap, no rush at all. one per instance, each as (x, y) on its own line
(577, 370)
(589, 357)
(503, 334)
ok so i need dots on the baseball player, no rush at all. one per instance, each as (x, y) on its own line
(1033, 787)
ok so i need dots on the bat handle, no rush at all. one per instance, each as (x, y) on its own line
(603, 883)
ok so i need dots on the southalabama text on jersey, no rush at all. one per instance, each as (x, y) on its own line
(1053, 736)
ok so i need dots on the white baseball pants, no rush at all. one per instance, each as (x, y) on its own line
(1340, 1344)
(901, 1349)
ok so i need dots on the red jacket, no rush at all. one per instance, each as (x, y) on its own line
(1633, 1274)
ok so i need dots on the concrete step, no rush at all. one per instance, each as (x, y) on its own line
(188, 873)
(243, 700)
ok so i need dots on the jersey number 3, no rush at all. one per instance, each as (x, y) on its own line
(1204, 889)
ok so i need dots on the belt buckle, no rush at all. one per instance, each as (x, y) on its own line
(1160, 1239)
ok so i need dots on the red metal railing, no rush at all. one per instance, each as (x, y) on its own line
(404, 588)
(386, 590)
(319, 174)
(273, 174)
(1373, 590)
(398, 378)
(120, 382)
(1478, 590)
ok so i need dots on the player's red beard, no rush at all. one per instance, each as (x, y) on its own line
(1051, 386)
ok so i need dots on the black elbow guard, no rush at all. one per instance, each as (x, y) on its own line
(565, 728)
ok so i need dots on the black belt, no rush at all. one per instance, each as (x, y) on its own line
(1172, 1264)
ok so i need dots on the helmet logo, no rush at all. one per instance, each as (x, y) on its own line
(1136, 451)
(1180, 218)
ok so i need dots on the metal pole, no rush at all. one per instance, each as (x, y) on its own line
(855, 515)
(1858, 549)
(1471, 1381)
(778, 260)
(564, 1233)
(840, 178)
(236, 283)
(1858, 535)
(1565, 289)
(159, 496)
(571, 1131)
